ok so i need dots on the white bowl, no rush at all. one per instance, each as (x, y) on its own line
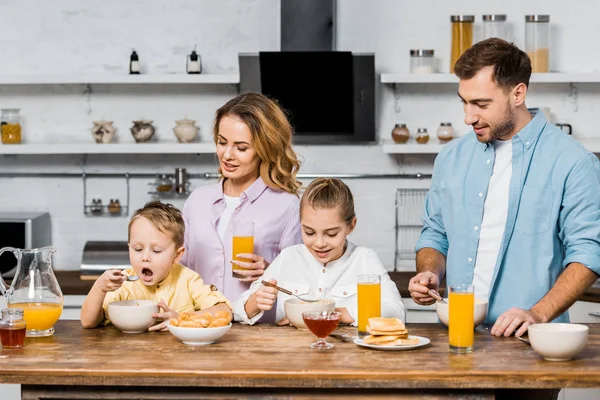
(294, 308)
(198, 336)
(132, 316)
(481, 307)
(558, 342)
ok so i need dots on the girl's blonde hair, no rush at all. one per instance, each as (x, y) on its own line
(164, 217)
(271, 136)
(329, 193)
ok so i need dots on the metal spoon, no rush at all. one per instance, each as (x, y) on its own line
(267, 283)
(133, 278)
(436, 296)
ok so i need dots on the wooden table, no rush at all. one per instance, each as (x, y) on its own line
(255, 361)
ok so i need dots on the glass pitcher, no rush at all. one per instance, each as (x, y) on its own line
(35, 290)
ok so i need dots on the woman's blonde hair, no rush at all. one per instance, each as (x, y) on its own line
(271, 136)
(164, 217)
(329, 193)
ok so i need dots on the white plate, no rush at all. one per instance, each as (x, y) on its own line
(423, 341)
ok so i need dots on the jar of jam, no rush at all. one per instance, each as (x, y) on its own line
(10, 126)
(12, 328)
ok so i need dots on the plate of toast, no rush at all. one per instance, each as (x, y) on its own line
(390, 334)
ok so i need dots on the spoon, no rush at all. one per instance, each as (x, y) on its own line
(524, 339)
(133, 278)
(436, 296)
(267, 283)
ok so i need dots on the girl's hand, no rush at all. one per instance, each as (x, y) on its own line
(256, 268)
(266, 296)
(166, 316)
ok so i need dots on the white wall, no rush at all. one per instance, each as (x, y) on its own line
(71, 36)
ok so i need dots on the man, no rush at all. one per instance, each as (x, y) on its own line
(514, 206)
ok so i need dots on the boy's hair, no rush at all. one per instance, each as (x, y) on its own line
(511, 64)
(165, 217)
(329, 193)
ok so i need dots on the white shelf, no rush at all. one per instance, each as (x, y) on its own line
(434, 147)
(112, 148)
(73, 79)
(575, 77)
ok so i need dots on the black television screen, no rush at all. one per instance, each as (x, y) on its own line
(329, 96)
(314, 87)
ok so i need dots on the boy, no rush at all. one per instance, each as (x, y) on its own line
(156, 236)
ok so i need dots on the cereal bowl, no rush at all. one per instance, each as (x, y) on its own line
(294, 308)
(198, 336)
(132, 316)
(558, 342)
(481, 307)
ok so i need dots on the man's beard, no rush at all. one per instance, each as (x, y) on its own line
(506, 126)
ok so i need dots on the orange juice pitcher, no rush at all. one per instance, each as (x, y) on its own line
(461, 318)
(369, 300)
(34, 289)
(243, 242)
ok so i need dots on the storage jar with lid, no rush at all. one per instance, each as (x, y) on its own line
(445, 132)
(494, 26)
(400, 133)
(537, 42)
(462, 36)
(422, 61)
(11, 126)
(12, 328)
(422, 136)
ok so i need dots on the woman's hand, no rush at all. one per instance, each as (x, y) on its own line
(255, 269)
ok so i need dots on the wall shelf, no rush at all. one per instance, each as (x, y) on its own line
(111, 148)
(568, 77)
(434, 147)
(117, 79)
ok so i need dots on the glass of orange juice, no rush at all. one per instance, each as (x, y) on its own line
(461, 322)
(369, 300)
(243, 242)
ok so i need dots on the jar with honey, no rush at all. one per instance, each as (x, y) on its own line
(462, 36)
(10, 121)
(12, 328)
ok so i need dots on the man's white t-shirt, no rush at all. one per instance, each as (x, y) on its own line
(495, 211)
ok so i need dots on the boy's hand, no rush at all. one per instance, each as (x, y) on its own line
(110, 280)
(266, 296)
(166, 316)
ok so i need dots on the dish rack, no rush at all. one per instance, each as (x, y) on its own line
(409, 208)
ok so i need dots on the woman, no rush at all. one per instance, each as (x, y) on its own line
(258, 184)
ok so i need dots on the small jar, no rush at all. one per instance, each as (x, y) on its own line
(11, 126)
(422, 136)
(494, 26)
(445, 132)
(12, 328)
(537, 42)
(462, 36)
(400, 133)
(164, 183)
(422, 61)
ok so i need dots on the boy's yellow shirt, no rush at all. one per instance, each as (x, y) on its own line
(183, 290)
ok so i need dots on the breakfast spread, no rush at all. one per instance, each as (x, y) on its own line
(205, 320)
(388, 332)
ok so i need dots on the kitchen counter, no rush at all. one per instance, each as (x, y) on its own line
(71, 283)
(261, 360)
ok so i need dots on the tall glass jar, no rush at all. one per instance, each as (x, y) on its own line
(537, 42)
(494, 25)
(462, 36)
(10, 121)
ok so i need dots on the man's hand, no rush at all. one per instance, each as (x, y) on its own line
(508, 322)
(420, 284)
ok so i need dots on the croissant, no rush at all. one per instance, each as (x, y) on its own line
(219, 322)
(223, 314)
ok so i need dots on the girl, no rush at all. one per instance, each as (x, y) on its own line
(258, 168)
(326, 265)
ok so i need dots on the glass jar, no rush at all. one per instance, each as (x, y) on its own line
(462, 36)
(163, 183)
(421, 62)
(422, 136)
(494, 26)
(11, 126)
(400, 133)
(12, 328)
(537, 42)
(445, 132)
